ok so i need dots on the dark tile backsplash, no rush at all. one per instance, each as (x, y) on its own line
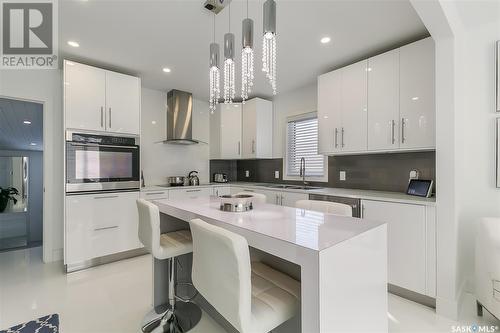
(382, 172)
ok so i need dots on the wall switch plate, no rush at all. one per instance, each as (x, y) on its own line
(247, 173)
(277, 174)
(342, 175)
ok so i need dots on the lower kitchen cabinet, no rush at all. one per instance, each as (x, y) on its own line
(274, 197)
(223, 190)
(190, 193)
(154, 195)
(290, 198)
(411, 243)
(97, 225)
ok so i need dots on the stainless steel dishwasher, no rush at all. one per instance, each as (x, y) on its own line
(353, 202)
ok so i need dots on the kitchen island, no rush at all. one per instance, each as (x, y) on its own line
(342, 260)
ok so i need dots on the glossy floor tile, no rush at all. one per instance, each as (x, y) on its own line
(114, 297)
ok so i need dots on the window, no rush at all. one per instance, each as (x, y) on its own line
(302, 141)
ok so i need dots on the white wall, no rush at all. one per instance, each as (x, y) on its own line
(465, 34)
(45, 86)
(161, 160)
(302, 100)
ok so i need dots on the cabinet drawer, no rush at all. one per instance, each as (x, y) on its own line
(191, 193)
(154, 195)
(218, 191)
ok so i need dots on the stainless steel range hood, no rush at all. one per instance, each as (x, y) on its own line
(180, 118)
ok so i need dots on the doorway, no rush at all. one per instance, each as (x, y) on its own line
(21, 174)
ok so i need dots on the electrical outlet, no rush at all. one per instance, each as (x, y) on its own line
(277, 174)
(247, 173)
(342, 175)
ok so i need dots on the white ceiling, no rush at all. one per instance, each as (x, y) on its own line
(142, 37)
(14, 134)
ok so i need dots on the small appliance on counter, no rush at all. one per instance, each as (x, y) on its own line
(193, 178)
(176, 181)
(220, 178)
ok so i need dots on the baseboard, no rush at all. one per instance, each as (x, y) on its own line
(412, 296)
(105, 260)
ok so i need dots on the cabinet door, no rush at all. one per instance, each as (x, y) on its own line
(218, 191)
(230, 135)
(329, 112)
(272, 197)
(191, 193)
(84, 96)
(249, 131)
(264, 128)
(154, 195)
(290, 198)
(406, 242)
(417, 98)
(122, 103)
(383, 101)
(353, 133)
(99, 225)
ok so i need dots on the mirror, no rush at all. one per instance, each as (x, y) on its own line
(14, 173)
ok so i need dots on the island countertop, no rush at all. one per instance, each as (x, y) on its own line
(309, 229)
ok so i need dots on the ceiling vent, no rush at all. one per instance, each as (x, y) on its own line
(216, 6)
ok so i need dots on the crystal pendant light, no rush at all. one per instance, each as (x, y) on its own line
(214, 74)
(269, 43)
(229, 84)
(247, 73)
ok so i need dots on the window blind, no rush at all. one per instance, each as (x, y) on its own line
(302, 141)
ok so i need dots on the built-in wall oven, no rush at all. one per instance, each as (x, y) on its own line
(101, 163)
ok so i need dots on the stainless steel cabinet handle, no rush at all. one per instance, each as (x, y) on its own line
(276, 199)
(248, 190)
(106, 228)
(253, 146)
(154, 193)
(402, 130)
(109, 117)
(216, 193)
(107, 197)
(281, 199)
(193, 190)
(393, 124)
(343, 145)
(336, 137)
(102, 116)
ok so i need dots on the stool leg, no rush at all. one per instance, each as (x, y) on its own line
(171, 283)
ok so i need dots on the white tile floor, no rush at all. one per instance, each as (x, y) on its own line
(114, 297)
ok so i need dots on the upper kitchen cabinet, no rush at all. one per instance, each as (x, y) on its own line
(354, 107)
(100, 100)
(383, 101)
(122, 103)
(225, 132)
(257, 129)
(417, 95)
(342, 108)
(84, 96)
(329, 120)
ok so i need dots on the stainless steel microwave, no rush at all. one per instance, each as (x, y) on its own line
(101, 163)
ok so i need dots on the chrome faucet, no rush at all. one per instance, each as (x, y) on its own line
(303, 170)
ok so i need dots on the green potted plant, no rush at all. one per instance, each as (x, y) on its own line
(7, 194)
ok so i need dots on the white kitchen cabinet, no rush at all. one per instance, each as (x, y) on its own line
(353, 132)
(410, 243)
(271, 196)
(290, 198)
(225, 133)
(190, 193)
(342, 109)
(84, 96)
(329, 120)
(100, 100)
(383, 101)
(122, 103)
(257, 129)
(223, 190)
(97, 225)
(417, 95)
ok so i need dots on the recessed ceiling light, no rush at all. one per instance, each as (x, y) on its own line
(32, 144)
(27, 122)
(153, 122)
(73, 43)
(166, 70)
(415, 98)
(325, 40)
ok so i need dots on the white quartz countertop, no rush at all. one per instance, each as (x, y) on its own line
(312, 230)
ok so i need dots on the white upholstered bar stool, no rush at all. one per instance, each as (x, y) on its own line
(259, 197)
(178, 317)
(254, 298)
(328, 207)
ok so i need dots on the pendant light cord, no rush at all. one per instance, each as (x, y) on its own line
(229, 17)
(247, 8)
(214, 30)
